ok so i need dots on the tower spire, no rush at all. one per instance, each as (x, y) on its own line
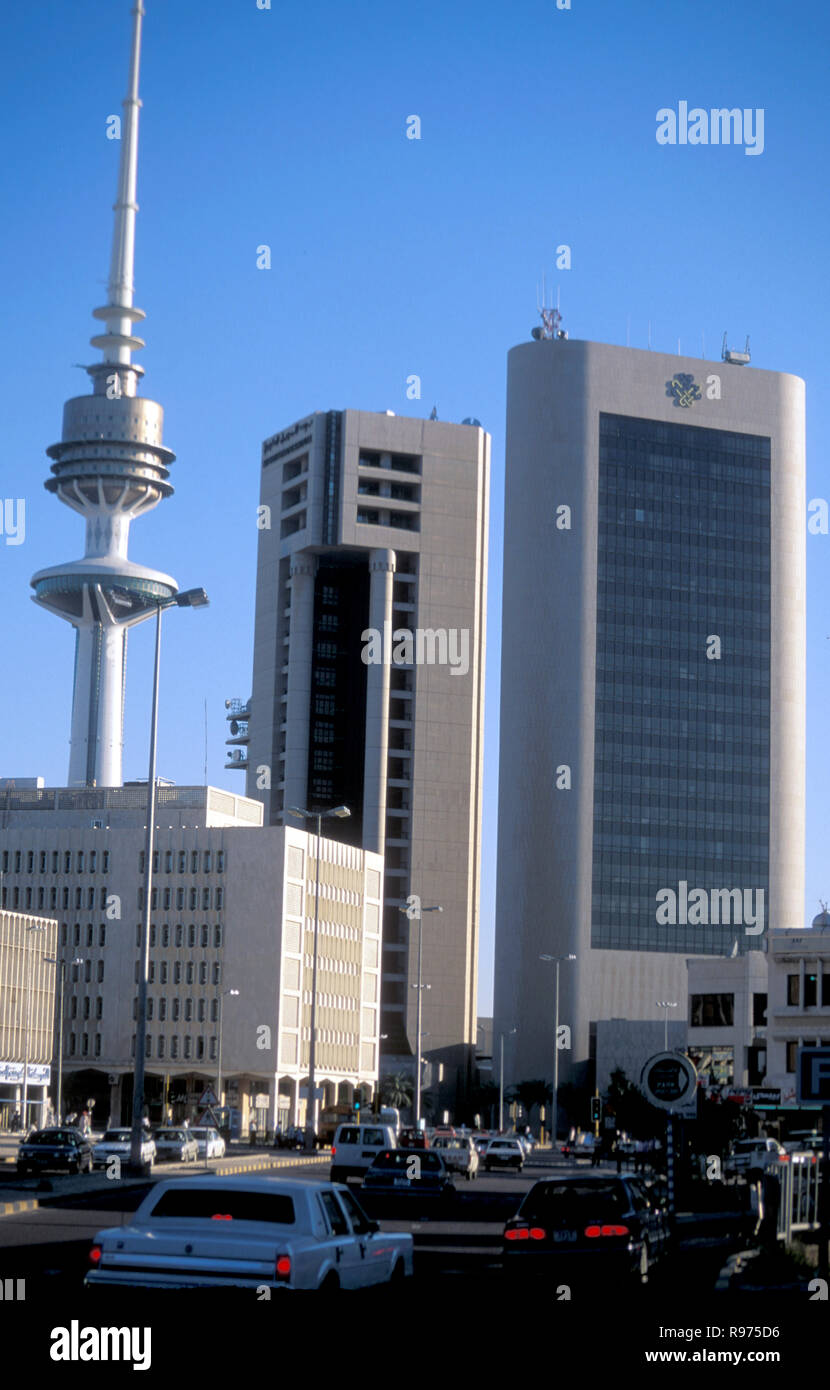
(112, 467)
(119, 342)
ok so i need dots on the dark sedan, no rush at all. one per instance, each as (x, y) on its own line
(581, 1227)
(421, 1172)
(61, 1149)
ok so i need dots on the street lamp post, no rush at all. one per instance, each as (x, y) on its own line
(221, 994)
(416, 911)
(190, 598)
(342, 813)
(666, 1004)
(501, 1077)
(35, 926)
(61, 964)
(554, 1109)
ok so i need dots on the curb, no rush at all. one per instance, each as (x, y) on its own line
(272, 1163)
(10, 1208)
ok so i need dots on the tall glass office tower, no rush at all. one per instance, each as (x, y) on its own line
(652, 736)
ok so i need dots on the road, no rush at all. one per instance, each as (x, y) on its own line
(48, 1247)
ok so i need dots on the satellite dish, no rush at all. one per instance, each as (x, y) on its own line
(471, 420)
(234, 728)
(537, 333)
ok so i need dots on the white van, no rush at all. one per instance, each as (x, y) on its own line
(354, 1147)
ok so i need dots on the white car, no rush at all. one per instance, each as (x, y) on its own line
(249, 1232)
(116, 1144)
(208, 1139)
(354, 1147)
(459, 1154)
(503, 1152)
(751, 1156)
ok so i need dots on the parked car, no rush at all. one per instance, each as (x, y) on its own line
(244, 1232)
(209, 1142)
(751, 1157)
(481, 1141)
(59, 1148)
(422, 1174)
(504, 1151)
(176, 1146)
(116, 1143)
(355, 1146)
(578, 1226)
(459, 1154)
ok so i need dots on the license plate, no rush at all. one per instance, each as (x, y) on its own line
(400, 1182)
(561, 1236)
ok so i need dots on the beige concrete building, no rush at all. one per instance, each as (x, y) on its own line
(653, 681)
(27, 1012)
(799, 1001)
(231, 941)
(368, 685)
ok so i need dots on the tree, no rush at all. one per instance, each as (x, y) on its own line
(531, 1093)
(634, 1114)
(396, 1090)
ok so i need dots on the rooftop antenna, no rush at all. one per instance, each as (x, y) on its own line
(628, 331)
(737, 359)
(649, 335)
(550, 316)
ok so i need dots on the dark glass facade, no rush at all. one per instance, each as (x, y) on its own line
(337, 734)
(681, 789)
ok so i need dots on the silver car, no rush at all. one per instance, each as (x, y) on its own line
(176, 1146)
(116, 1143)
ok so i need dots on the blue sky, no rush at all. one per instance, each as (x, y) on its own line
(389, 257)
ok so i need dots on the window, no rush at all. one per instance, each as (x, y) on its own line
(99, 972)
(182, 861)
(188, 1046)
(358, 1217)
(323, 760)
(105, 862)
(166, 897)
(87, 970)
(194, 861)
(194, 899)
(99, 1007)
(93, 860)
(43, 861)
(792, 1054)
(97, 1044)
(177, 1008)
(53, 898)
(155, 861)
(64, 933)
(148, 1046)
(825, 990)
(200, 1010)
(189, 972)
(150, 1007)
(54, 861)
(214, 1010)
(180, 899)
(220, 899)
(41, 897)
(85, 1044)
(188, 1010)
(87, 1006)
(213, 1053)
(200, 1048)
(220, 861)
(67, 862)
(177, 972)
(165, 936)
(203, 972)
(217, 973)
(89, 930)
(160, 1047)
(102, 934)
(712, 1010)
(168, 862)
(138, 936)
(78, 896)
(179, 934)
(73, 1009)
(151, 973)
(205, 934)
(174, 1046)
(205, 899)
(72, 1044)
(191, 935)
(163, 972)
(152, 936)
(208, 861)
(217, 938)
(793, 992)
(65, 897)
(103, 898)
(337, 1220)
(810, 991)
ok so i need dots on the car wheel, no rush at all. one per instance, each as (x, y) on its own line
(398, 1276)
(22, 1170)
(338, 1175)
(331, 1283)
(643, 1273)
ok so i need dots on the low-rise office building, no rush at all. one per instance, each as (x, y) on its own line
(27, 1014)
(231, 947)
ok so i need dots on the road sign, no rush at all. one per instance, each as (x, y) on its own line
(813, 1073)
(208, 1118)
(669, 1080)
(764, 1097)
(208, 1097)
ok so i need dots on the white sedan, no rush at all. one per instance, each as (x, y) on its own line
(116, 1144)
(249, 1232)
(208, 1139)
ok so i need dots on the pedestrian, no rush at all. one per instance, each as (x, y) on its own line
(15, 1122)
(186, 1124)
(252, 1129)
(618, 1155)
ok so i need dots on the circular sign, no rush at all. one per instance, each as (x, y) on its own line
(669, 1080)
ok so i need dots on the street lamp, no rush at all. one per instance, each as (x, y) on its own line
(220, 995)
(554, 1116)
(666, 1004)
(341, 813)
(35, 926)
(415, 911)
(189, 598)
(53, 960)
(501, 1077)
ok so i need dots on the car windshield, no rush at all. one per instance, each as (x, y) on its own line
(116, 1136)
(172, 1136)
(53, 1136)
(747, 1145)
(398, 1158)
(224, 1204)
(573, 1202)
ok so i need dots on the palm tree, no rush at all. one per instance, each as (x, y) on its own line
(531, 1093)
(396, 1090)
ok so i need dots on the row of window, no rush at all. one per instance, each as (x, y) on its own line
(199, 1005)
(187, 1051)
(186, 970)
(85, 861)
(30, 900)
(86, 1002)
(210, 898)
(811, 990)
(171, 857)
(177, 937)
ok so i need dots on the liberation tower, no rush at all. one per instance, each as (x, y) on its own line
(111, 467)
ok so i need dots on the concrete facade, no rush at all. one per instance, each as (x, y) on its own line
(233, 909)
(559, 393)
(27, 1011)
(377, 522)
(798, 1011)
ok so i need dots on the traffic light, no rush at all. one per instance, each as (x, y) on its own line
(596, 1109)
(357, 1106)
